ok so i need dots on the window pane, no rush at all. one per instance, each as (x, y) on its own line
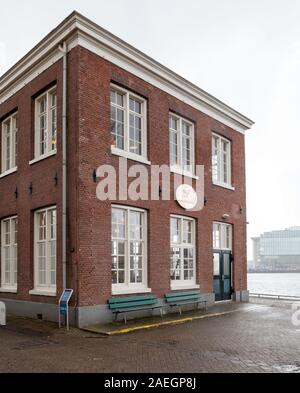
(183, 254)
(175, 230)
(127, 246)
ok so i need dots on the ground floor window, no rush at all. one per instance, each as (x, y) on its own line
(222, 236)
(45, 250)
(9, 253)
(182, 251)
(129, 232)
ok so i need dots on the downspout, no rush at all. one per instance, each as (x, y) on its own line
(63, 48)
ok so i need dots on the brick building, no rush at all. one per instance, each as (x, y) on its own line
(82, 98)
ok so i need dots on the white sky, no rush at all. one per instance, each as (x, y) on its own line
(246, 53)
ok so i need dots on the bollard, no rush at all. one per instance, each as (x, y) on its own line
(2, 314)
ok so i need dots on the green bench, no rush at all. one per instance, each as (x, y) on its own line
(179, 299)
(124, 305)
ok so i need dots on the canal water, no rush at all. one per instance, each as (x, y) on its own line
(274, 283)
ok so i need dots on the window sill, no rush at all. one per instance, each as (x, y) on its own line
(43, 157)
(8, 290)
(130, 291)
(41, 292)
(184, 286)
(8, 172)
(224, 185)
(181, 172)
(130, 156)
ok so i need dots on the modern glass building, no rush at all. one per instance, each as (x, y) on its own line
(277, 250)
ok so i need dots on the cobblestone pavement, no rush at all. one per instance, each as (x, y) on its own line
(256, 339)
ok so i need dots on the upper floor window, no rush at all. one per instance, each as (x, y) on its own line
(221, 160)
(183, 251)
(9, 253)
(9, 143)
(182, 154)
(45, 123)
(128, 122)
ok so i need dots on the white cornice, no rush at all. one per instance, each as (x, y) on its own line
(78, 30)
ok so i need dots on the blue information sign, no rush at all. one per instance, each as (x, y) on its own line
(64, 305)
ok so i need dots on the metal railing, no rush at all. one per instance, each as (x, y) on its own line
(272, 296)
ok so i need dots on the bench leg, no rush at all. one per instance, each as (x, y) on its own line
(161, 313)
(180, 311)
(125, 318)
(116, 316)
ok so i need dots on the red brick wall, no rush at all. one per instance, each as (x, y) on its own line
(41, 175)
(89, 224)
(95, 76)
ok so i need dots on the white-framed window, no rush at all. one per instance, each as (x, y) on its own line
(129, 249)
(222, 236)
(9, 143)
(45, 123)
(221, 160)
(128, 116)
(9, 253)
(45, 250)
(182, 144)
(183, 251)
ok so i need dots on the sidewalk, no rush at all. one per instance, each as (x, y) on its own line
(119, 327)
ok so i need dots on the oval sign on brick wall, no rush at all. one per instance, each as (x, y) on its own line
(186, 196)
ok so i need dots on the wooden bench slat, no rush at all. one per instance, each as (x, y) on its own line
(178, 294)
(183, 298)
(122, 310)
(132, 304)
(128, 299)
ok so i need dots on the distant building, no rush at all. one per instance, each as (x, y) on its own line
(277, 250)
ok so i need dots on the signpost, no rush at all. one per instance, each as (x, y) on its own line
(63, 306)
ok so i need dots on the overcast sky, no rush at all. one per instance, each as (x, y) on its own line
(246, 53)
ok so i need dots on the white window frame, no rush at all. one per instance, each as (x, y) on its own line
(126, 151)
(46, 289)
(184, 284)
(178, 168)
(49, 150)
(13, 125)
(10, 286)
(128, 287)
(219, 179)
(223, 244)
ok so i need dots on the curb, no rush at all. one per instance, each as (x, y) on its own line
(160, 324)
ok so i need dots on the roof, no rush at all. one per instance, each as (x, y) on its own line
(76, 30)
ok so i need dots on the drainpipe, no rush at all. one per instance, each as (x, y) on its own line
(63, 48)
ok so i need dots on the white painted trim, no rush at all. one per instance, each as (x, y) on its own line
(39, 289)
(224, 185)
(129, 291)
(130, 156)
(179, 166)
(179, 171)
(223, 236)
(9, 172)
(78, 30)
(140, 287)
(43, 157)
(9, 290)
(185, 283)
(175, 287)
(12, 284)
(41, 292)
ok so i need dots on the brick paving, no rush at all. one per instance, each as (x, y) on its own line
(256, 339)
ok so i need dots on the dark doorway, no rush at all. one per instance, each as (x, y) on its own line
(222, 275)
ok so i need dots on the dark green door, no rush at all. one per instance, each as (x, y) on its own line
(222, 275)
